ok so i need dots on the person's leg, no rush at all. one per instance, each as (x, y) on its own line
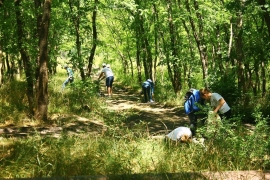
(65, 83)
(111, 84)
(109, 90)
(193, 122)
(108, 85)
(144, 89)
(150, 94)
(148, 89)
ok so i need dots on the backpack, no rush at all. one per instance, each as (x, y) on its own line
(188, 101)
(189, 93)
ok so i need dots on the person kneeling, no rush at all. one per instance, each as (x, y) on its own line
(180, 134)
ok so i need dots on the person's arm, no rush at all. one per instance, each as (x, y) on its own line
(221, 101)
(101, 74)
(153, 87)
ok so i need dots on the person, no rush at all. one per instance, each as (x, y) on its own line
(70, 78)
(107, 71)
(148, 90)
(192, 109)
(181, 134)
(217, 102)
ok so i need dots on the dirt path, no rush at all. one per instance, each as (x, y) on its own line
(160, 118)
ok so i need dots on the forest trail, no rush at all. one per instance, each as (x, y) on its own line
(158, 118)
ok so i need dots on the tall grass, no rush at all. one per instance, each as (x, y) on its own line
(123, 151)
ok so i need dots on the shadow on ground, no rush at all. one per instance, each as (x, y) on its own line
(159, 119)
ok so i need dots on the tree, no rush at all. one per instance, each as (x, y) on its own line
(25, 57)
(42, 85)
(94, 41)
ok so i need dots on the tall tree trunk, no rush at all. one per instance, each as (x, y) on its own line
(76, 18)
(240, 54)
(42, 88)
(188, 69)
(156, 18)
(38, 6)
(263, 76)
(94, 45)
(1, 66)
(173, 64)
(199, 38)
(25, 58)
(266, 14)
(138, 57)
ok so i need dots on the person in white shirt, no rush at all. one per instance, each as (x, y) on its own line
(218, 103)
(107, 71)
(182, 134)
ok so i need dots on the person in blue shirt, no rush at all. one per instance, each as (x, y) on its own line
(191, 108)
(70, 78)
(148, 90)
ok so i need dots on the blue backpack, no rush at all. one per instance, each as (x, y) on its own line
(190, 100)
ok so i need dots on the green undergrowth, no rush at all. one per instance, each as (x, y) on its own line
(126, 151)
(122, 148)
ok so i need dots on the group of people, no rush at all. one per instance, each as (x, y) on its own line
(191, 105)
(106, 72)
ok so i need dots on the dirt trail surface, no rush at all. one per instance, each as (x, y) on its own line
(160, 119)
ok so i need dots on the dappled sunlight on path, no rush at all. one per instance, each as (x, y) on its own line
(159, 117)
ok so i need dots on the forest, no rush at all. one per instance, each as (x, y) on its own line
(223, 45)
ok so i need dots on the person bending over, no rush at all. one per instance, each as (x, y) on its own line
(180, 134)
(193, 98)
(217, 102)
(148, 90)
(70, 78)
(107, 71)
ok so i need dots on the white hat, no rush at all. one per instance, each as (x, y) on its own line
(103, 64)
(149, 80)
(108, 65)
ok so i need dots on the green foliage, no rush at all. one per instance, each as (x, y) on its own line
(121, 151)
(78, 97)
(226, 86)
(13, 101)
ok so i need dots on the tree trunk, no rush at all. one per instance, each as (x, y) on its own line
(173, 64)
(199, 38)
(1, 66)
(265, 14)
(138, 57)
(94, 45)
(264, 81)
(240, 54)
(76, 18)
(188, 69)
(42, 88)
(25, 58)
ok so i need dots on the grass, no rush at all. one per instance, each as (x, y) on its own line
(120, 151)
(124, 152)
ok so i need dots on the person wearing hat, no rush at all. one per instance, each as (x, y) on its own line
(107, 71)
(70, 78)
(148, 90)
